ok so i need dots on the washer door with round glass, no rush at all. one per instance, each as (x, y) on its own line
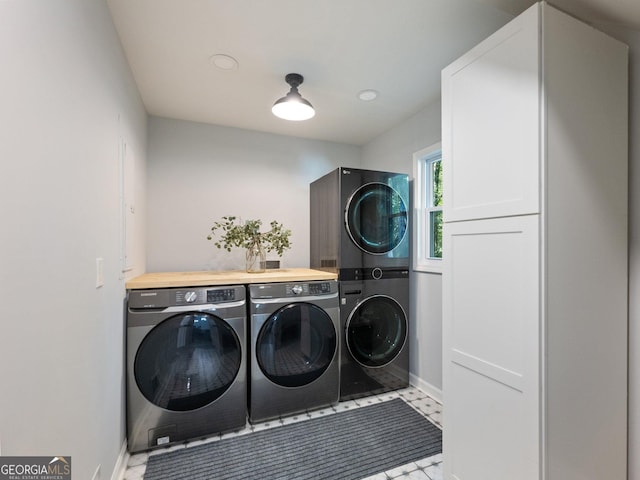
(376, 218)
(296, 344)
(376, 331)
(187, 361)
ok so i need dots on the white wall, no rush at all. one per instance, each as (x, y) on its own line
(63, 86)
(393, 151)
(197, 173)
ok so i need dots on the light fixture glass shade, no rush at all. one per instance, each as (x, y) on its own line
(293, 106)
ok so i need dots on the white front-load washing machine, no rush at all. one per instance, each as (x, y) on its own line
(294, 348)
(186, 366)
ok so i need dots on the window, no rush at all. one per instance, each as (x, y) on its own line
(428, 209)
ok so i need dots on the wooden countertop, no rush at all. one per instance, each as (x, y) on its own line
(230, 277)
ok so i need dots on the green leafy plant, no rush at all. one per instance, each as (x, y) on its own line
(231, 232)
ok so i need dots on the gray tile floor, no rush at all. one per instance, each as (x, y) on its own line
(425, 469)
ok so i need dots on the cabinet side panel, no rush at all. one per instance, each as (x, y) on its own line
(490, 125)
(325, 222)
(585, 78)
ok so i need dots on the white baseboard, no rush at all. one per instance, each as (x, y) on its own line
(121, 465)
(426, 387)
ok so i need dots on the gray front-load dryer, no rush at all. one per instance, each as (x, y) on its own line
(186, 367)
(294, 348)
(359, 219)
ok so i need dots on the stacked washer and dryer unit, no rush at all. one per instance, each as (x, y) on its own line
(360, 230)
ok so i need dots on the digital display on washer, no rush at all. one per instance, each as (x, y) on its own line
(319, 288)
(221, 295)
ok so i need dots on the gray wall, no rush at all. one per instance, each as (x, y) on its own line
(64, 86)
(632, 38)
(197, 173)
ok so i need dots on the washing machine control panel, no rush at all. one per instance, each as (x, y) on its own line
(308, 289)
(221, 295)
(319, 288)
(377, 273)
(199, 296)
(297, 289)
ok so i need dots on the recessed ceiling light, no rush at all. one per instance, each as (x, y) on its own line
(224, 62)
(367, 95)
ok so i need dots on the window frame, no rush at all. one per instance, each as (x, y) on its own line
(422, 184)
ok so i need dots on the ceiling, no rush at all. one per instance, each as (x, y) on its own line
(341, 47)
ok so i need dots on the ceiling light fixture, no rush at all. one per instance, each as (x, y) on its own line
(292, 106)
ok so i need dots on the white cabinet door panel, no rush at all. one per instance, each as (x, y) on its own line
(493, 287)
(490, 308)
(490, 430)
(491, 357)
(490, 104)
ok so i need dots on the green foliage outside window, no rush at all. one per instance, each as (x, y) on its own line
(435, 216)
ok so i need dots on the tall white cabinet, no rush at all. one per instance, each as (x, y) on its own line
(535, 279)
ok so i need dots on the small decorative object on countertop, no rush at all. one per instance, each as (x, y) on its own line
(234, 233)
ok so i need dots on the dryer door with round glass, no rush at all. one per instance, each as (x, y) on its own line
(187, 361)
(376, 218)
(296, 344)
(376, 331)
